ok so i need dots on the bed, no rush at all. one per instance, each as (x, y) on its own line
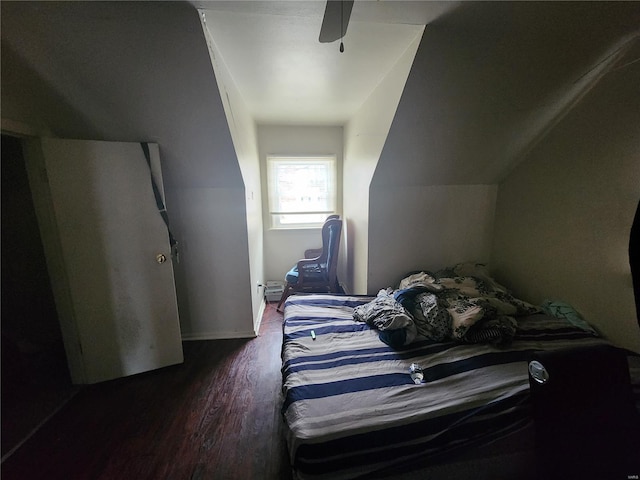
(352, 409)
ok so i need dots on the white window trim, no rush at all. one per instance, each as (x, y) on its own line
(274, 213)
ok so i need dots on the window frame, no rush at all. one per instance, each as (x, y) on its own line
(275, 214)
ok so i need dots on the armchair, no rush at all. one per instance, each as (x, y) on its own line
(317, 272)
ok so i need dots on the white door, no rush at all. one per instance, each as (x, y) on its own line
(105, 241)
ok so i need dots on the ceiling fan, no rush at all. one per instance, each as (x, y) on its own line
(335, 21)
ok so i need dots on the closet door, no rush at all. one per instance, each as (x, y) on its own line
(108, 254)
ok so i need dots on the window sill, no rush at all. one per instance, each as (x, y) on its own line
(297, 227)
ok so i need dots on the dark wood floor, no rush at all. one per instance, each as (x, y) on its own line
(217, 416)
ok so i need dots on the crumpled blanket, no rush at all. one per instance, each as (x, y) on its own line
(429, 313)
(394, 324)
(559, 309)
(462, 303)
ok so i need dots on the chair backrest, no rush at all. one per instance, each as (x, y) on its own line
(331, 231)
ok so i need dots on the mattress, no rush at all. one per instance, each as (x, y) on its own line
(352, 409)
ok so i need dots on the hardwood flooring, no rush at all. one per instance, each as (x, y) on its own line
(216, 416)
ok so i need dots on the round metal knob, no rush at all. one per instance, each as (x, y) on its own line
(538, 372)
(161, 258)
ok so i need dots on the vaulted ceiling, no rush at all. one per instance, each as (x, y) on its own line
(287, 76)
(491, 79)
(488, 80)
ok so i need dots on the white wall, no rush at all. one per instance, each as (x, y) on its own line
(488, 79)
(364, 138)
(427, 228)
(140, 71)
(245, 139)
(428, 204)
(564, 216)
(283, 248)
(219, 305)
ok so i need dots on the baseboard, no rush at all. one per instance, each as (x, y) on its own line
(258, 321)
(187, 337)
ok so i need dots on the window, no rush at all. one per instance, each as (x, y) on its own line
(302, 190)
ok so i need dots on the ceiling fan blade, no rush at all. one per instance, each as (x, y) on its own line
(336, 20)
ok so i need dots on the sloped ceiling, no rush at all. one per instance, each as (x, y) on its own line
(288, 77)
(489, 79)
(484, 75)
(125, 71)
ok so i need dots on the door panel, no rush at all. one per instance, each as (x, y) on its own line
(109, 232)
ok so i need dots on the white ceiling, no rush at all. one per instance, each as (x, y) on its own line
(286, 76)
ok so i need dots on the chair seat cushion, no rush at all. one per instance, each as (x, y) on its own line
(292, 276)
(310, 275)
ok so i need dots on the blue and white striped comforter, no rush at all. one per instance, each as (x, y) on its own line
(351, 407)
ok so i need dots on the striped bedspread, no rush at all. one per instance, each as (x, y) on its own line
(351, 407)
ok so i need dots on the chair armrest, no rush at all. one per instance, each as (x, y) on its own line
(312, 253)
(307, 262)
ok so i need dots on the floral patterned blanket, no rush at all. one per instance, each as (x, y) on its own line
(461, 303)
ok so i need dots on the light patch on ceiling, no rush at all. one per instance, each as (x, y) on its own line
(286, 76)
